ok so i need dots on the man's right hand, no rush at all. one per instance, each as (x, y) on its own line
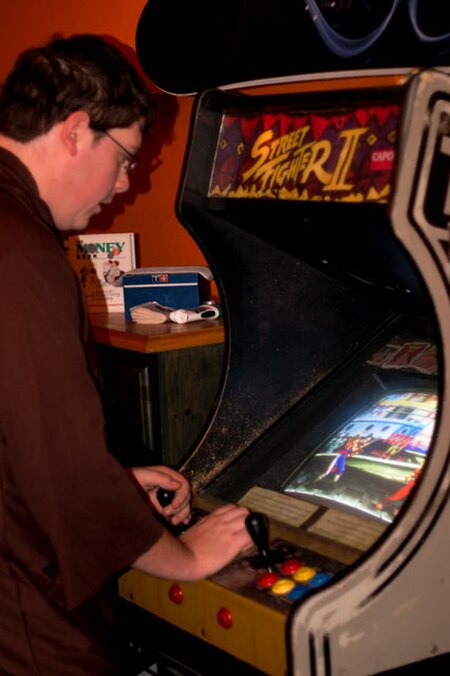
(201, 550)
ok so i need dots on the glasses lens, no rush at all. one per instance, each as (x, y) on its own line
(130, 161)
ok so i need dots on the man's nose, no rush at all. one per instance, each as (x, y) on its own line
(123, 181)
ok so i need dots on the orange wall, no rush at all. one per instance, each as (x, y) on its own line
(149, 207)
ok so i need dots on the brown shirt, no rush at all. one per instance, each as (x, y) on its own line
(70, 516)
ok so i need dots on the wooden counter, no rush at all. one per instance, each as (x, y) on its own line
(112, 329)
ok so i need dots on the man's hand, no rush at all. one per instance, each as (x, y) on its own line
(152, 478)
(201, 550)
(217, 538)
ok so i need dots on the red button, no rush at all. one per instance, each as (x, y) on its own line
(290, 566)
(266, 580)
(224, 618)
(176, 594)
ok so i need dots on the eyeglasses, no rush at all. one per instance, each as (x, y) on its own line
(131, 161)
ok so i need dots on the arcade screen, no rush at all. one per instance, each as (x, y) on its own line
(358, 442)
(373, 460)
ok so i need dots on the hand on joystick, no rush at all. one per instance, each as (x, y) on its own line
(165, 498)
(256, 525)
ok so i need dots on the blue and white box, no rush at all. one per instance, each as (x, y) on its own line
(175, 287)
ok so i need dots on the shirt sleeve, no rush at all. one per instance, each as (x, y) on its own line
(75, 516)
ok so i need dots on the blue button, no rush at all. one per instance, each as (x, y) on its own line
(320, 579)
(297, 592)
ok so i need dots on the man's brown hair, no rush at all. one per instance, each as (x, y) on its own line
(83, 72)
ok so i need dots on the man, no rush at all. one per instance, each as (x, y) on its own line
(72, 118)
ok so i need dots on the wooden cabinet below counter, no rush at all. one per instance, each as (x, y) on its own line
(160, 384)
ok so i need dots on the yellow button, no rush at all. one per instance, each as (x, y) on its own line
(282, 587)
(304, 574)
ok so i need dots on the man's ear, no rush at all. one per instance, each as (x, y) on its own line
(74, 130)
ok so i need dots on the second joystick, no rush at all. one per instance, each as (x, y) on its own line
(165, 496)
(257, 527)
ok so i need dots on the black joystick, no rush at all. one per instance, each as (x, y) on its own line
(165, 496)
(257, 527)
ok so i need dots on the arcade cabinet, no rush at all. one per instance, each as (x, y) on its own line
(322, 206)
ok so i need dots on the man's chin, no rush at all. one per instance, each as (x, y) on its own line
(76, 225)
